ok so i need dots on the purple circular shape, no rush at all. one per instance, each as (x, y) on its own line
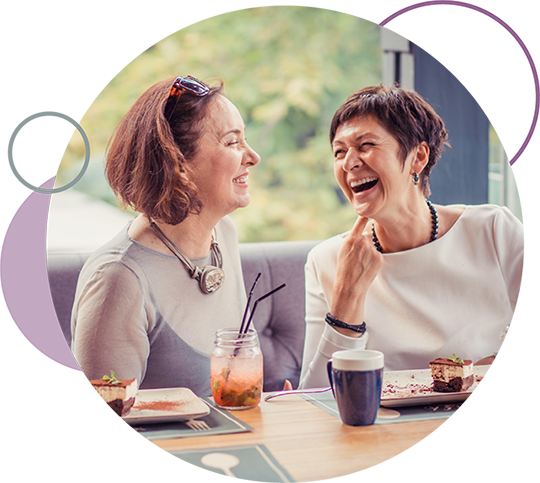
(41, 371)
(505, 38)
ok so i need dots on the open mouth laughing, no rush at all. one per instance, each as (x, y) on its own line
(364, 184)
(241, 179)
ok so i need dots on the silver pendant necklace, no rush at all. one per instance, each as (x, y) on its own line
(210, 278)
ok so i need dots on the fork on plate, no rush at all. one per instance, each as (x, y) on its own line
(197, 424)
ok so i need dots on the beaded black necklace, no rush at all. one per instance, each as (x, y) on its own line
(434, 229)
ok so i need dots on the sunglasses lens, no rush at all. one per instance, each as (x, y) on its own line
(182, 84)
(194, 85)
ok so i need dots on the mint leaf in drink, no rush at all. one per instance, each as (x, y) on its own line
(225, 372)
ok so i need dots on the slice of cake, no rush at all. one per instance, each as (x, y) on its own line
(119, 394)
(452, 374)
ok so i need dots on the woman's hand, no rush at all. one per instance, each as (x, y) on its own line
(287, 386)
(358, 263)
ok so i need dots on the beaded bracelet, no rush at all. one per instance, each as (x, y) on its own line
(331, 320)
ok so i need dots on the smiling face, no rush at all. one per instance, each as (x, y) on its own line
(219, 169)
(369, 170)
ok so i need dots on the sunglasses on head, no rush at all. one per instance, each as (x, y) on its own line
(181, 85)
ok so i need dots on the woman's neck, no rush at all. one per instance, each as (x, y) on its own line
(193, 236)
(407, 227)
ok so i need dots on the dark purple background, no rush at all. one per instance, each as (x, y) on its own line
(37, 363)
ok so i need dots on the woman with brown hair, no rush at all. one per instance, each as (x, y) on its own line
(412, 279)
(149, 302)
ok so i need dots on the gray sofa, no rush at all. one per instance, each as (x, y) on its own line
(279, 320)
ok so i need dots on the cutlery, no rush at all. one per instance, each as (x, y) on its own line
(197, 425)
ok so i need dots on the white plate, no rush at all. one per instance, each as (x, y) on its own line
(415, 387)
(165, 405)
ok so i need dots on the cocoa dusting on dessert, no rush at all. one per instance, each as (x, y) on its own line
(159, 405)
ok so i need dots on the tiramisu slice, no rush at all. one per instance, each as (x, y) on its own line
(452, 374)
(119, 394)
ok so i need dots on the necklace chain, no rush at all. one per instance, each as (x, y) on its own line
(434, 227)
(210, 278)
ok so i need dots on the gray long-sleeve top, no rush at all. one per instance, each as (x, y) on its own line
(138, 312)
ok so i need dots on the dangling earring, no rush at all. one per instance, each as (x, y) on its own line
(415, 178)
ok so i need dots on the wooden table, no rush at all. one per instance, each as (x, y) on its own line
(310, 443)
(496, 440)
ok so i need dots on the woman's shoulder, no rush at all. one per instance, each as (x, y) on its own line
(114, 258)
(448, 217)
(226, 228)
(489, 214)
(327, 249)
(488, 221)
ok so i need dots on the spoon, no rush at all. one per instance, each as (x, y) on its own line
(221, 461)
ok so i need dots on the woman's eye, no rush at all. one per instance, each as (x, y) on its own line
(338, 153)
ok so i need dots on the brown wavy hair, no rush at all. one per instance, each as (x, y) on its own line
(403, 113)
(148, 156)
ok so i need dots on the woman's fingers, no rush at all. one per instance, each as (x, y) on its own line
(358, 263)
(287, 386)
(359, 226)
(357, 240)
(358, 260)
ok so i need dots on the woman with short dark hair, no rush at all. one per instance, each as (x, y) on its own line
(149, 302)
(412, 279)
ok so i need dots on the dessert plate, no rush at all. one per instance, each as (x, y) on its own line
(415, 387)
(165, 405)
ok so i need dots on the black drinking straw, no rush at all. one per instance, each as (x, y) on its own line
(248, 301)
(257, 302)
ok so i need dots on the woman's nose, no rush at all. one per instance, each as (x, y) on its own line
(251, 158)
(352, 160)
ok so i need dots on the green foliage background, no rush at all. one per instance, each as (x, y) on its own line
(287, 69)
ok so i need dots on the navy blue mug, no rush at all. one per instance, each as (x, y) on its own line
(356, 380)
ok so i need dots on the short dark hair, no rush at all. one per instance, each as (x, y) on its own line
(147, 157)
(405, 114)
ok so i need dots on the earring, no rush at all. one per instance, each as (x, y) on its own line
(415, 178)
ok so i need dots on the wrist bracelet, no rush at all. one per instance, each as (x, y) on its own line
(331, 320)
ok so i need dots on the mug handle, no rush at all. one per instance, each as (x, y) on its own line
(330, 376)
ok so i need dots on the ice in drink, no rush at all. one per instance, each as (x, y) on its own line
(236, 382)
(236, 370)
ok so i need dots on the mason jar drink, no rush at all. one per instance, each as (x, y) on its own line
(236, 369)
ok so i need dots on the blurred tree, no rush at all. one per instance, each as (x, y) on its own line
(287, 69)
